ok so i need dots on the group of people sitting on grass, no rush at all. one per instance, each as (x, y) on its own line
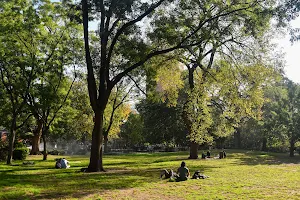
(222, 154)
(182, 174)
(62, 163)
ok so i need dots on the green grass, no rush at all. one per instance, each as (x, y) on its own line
(242, 175)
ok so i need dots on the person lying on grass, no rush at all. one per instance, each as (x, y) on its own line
(167, 174)
(62, 164)
(197, 175)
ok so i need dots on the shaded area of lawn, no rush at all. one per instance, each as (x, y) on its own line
(242, 174)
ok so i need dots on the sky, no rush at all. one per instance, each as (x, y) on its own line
(292, 54)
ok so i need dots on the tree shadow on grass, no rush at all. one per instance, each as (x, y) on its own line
(60, 184)
(20, 182)
(261, 158)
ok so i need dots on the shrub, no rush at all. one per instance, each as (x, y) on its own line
(81, 152)
(20, 153)
(19, 145)
(56, 152)
(3, 150)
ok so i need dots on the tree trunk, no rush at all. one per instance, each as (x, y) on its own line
(193, 150)
(12, 136)
(292, 148)
(237, 138)
(101, 159)
(264, 144)
(45, 154)
(44, 135)
(97, 140)
(36, 139)
(105, 144)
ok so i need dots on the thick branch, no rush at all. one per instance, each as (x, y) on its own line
(90, 77)
(130, 23)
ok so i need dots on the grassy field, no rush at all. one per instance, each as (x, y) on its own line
(242, 175)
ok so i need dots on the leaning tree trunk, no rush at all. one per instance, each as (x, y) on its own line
(36, 139)
(97, 141)
(292, 147)
(12, 136)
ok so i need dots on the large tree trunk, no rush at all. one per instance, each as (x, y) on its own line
(97, 140)
(12, 136)
(264, 144)
(292, 147)
(36, 139)
(237, 138)
(193, 150)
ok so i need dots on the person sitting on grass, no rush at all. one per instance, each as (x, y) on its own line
(208, 154)
(183, 172)
(64, 163)
(57, 164)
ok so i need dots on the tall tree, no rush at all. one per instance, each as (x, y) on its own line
(58, 49)
(227, 30)
(125, 46)
(18, 63)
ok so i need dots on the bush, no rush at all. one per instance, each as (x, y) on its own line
(3, 150)
(56, 152)
(19, 145)
(81, 152)
(20, 153)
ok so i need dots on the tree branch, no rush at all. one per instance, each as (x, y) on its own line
(90, 77)
(130, 23)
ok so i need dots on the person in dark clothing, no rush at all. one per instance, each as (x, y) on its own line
(197, 175)
(58, 164)
(203, 156)
(208, 154)
(183, 172)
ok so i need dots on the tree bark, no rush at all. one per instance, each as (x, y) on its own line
(292, 147)
(237, 138)
(12, 136)
(105, 143)
(264, 144)
(97, 141)
(44, 135)
(36, 139)
(45, 148)
(193, 150)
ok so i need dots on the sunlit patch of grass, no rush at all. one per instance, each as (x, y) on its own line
(242, 175)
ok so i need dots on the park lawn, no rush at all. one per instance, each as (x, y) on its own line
(242, 175)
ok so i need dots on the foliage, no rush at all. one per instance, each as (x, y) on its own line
(161, 122)
(164, 80)
(281, 113)
(132, 131)
(56, 152)
(20, 153)
(3, 150)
